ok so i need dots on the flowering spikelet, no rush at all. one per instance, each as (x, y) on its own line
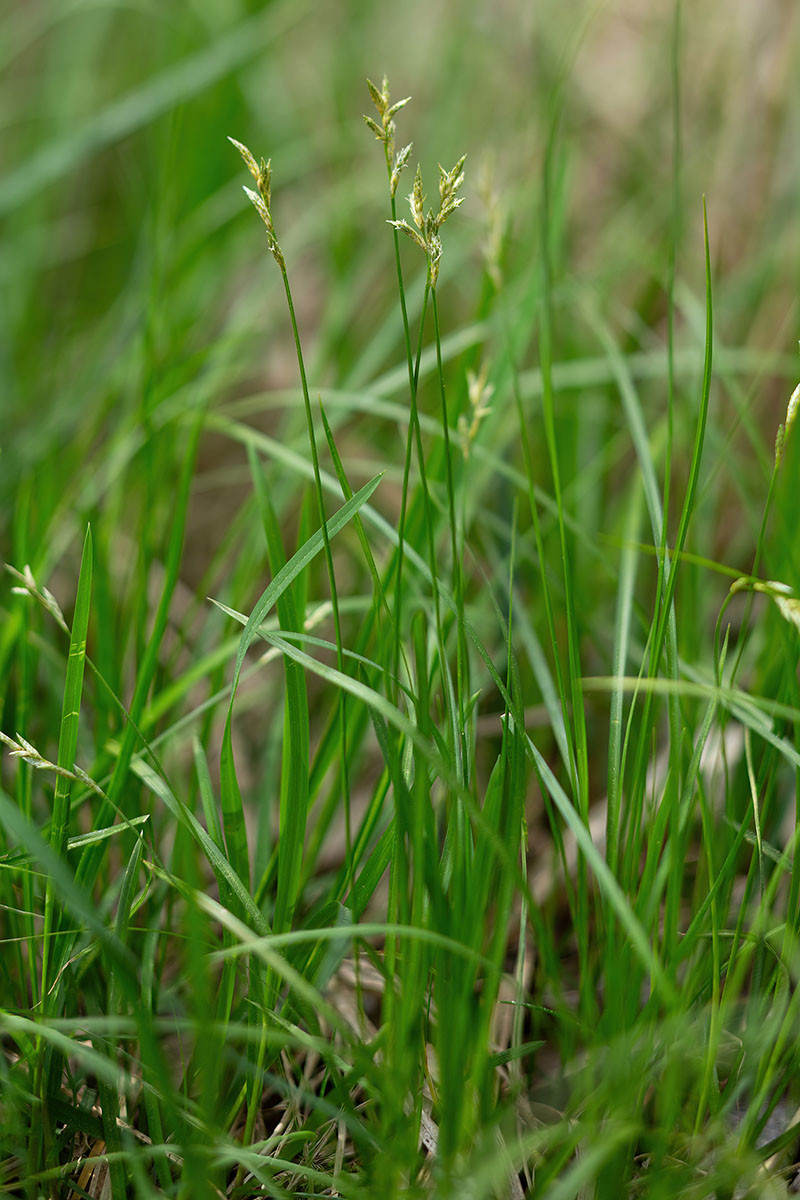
(417, 200)
(480, 393)
(401, 158)
(434, 258)
(257, 203)
(493, 243)
(385, 130)
(411, 232)
(261, 199)
(264, 181)
(426, 233)
(781, 594)
(785, 429)
(29, 587)
(249, 161)
(449, 183)
(791, 411)
(23, 750)
(789, 608)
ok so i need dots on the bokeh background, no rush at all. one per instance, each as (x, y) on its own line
(135, 284)
(124, 228)
(136, 290)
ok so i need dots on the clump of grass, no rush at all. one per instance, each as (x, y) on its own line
(459, 925)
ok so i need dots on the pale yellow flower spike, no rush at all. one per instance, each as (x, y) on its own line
(785, 429)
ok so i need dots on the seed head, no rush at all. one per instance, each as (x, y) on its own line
(417, 201)
(266, 216)
(451, 181)
(249, 161)
(789, 608)
(495, 225)
(23, 750)
(781, 594)
(448, 206)
(480, 393)
(261, 199)
(379, 98)
(791, 411)
(428, 224)
(409, 231)
(785, 430)
(449, 184)
(434, 258)
(264, 181)
(385, 129)
(399, 164)
(29, 587)
(258, 204)
(396, 107)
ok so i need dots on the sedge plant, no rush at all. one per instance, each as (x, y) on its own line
(453, 858)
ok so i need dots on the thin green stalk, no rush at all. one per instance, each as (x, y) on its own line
(575, 693)
(462, 666)
(673, 702)
(426, 235)
(288, 881)
(385, 132)
(413, 376)
(415, 431)
(67, 748)
(621, 645)
(328, 557)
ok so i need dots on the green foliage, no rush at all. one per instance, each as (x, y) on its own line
(400, 771)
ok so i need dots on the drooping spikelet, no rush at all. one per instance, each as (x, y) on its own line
(261, 199)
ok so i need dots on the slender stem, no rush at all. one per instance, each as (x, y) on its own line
(674, 784)
(340, 662)
(252, 1107)
(413, 425)
(413, 376)
(415, 432)
(458, 579)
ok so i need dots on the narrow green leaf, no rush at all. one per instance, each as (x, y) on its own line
(224, 871)
(68, 740)
(137, 108)
(71, 896)
(90, 859)
(295, 764)
(605, 879)
(232, 809)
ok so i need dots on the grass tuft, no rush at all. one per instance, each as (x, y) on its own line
(400, 775)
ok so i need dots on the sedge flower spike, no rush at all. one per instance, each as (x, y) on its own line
(262, 198)
(28, 586)
(781, 594)
(480, 393)
(494, 217)
(785, 429)
(425, 230)
(385, 129)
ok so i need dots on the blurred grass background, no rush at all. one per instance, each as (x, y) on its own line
(130, 270)
(135, 289)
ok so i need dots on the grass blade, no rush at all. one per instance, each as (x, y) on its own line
(67, 744)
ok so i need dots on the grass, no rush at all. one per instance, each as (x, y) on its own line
(399, 645)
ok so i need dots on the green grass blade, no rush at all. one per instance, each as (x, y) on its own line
(90, 860)
(295, 766)
(232, 810)
(68, 742)
(138, 108)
